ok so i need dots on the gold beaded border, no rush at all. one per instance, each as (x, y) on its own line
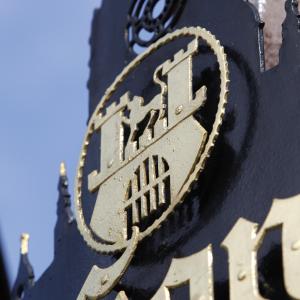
(218, 50)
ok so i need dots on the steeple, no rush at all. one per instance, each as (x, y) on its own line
(62, 169)
(64, 197)
(25, 277)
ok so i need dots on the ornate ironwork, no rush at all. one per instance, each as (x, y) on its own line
(149, 20)
(171, 115)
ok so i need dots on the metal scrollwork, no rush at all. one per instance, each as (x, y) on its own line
(149, 20)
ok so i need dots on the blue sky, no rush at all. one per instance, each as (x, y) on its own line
(44, 57)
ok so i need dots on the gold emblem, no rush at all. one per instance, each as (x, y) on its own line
(242, 245)
(145, 177)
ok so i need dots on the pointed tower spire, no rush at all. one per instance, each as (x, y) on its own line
(63, 170)
(25, 277)
(24, 243)
(64, 200)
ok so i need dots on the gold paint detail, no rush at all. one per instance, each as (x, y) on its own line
(244, 241)
(121, 296)
(296, 246)
(110, 163)
(178, 109)
(155, 169)
(101, 281)
(242, 245)
(195, 270)
(24, 239)
(242, 275)
(62, 169)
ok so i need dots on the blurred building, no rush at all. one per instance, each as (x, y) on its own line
(4, 286)
(273, 14)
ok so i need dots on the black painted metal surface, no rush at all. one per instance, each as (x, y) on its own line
(256, 158)
(25, 278)
(4, 285)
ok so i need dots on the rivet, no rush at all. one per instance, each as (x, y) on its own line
(296, 246)
(110, 163)
(178, 109)
(104, 279)
(241, 276)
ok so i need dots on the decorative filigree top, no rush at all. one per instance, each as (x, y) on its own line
(149, 20)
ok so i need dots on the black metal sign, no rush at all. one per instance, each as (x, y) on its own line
(188, 146)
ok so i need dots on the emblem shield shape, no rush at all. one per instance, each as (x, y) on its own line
(145, 174)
